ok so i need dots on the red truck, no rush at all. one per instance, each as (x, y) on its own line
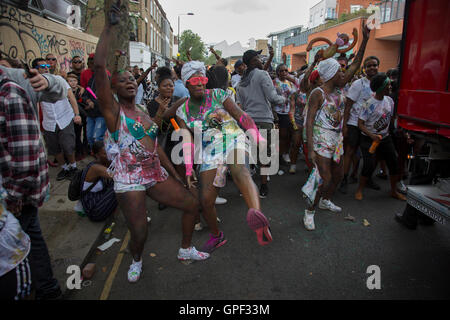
(424, 108)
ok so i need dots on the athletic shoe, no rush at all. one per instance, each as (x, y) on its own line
(191, 254)
(308, 220)
(214, 242)
(263, 190)
(198, 226)
(71, 172)
(293, 169)
(220, 200)
(62, 175)
(372, 185)
(286, 158)
(382, 175)
(401, 187)
(258, 222)
(134, 273)
(328, 205)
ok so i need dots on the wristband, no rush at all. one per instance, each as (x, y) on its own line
(188, 155)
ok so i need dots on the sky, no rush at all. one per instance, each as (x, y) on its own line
(236, 20)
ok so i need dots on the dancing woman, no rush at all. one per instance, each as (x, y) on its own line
(138, 162)
(324, 129)
(215, 114)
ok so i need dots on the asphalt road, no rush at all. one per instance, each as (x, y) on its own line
(329, 263)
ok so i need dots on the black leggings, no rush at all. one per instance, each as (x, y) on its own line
(385, 151)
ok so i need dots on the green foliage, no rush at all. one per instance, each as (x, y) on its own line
(212, 58)
(346, 17)
(189, 39)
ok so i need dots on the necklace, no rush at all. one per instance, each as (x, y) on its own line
(202, 109)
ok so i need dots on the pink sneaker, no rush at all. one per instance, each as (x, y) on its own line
(259, 223)
(214, 242)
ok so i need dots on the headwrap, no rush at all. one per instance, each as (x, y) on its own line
(328, 69)
(190, 68)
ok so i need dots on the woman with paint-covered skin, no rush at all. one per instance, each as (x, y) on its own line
(217, 117)
(139, 163)
(324, 125)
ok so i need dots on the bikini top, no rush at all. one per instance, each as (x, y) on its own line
(137, 130)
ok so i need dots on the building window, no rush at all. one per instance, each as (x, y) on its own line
(355, 8)
(146, 33)
(151, 37)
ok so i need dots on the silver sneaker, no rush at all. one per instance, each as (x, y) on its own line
(220, 200)
(308, 220)
(328, 205)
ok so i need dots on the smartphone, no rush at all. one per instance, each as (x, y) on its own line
(26, 68)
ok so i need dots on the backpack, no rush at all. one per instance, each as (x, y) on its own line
(74, 192)
(76, 184)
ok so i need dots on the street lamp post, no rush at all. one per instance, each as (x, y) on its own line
(183, 14)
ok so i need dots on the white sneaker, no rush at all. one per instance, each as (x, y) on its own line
(293, 169)
(328, 205)
(79, 207)
(198, 226)
(308, 220)
(401, 187)
(220, 200)
(192, 254)
(134, 273)
(286, 158)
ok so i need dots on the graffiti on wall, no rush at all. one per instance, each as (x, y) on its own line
(20, 38)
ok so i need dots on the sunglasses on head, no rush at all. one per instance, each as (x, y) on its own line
(51, 59)
(195, 81)
(44, 66)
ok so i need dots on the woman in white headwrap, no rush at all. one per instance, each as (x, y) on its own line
(214, 115)
(324, 129)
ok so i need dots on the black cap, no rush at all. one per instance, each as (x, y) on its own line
(238, 64)
(249, 55)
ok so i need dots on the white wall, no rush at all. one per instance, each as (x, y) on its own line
(319, 12)
(140, 55)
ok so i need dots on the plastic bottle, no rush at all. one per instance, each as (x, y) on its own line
(375, 145)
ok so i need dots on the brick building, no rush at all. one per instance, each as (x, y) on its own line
(152, 35)
(383, 43)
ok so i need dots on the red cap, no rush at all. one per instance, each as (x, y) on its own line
(91, 56)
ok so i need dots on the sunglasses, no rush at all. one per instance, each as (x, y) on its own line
(51, 59)
(44, 66)
(77, 61)
(195, 81)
